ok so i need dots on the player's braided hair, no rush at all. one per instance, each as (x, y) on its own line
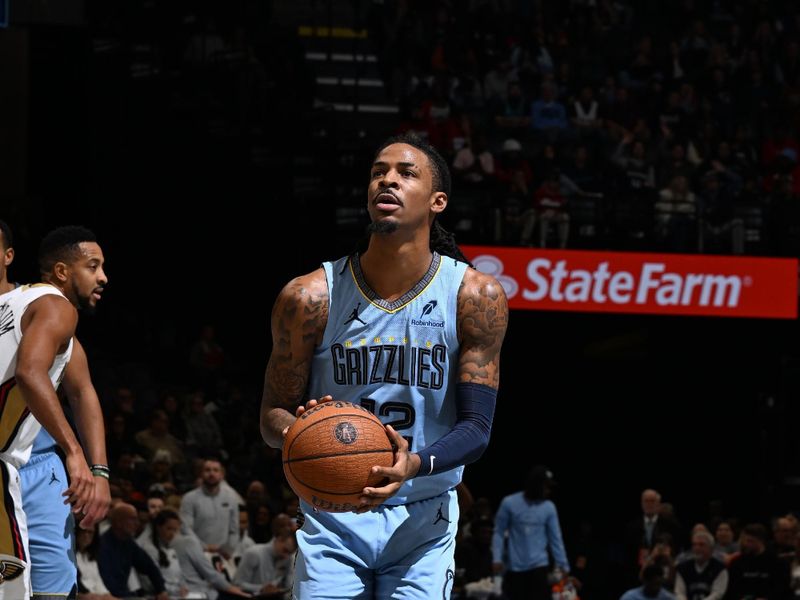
(442, 241)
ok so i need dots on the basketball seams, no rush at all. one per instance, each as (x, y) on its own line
(317, 456)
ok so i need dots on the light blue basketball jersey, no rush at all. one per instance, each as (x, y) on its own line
(399, 359)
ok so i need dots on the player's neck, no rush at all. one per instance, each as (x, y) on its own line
(5, 286)
(46, 279)
(393, 269)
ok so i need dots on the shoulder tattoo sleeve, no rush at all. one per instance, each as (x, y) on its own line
(482, 323)
(298, 320)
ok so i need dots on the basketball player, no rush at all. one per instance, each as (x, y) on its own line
(410, 332)
(37, 326)
(43, 478)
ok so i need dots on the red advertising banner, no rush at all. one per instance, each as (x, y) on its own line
(622, 282)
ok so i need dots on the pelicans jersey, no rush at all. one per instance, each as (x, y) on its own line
(18, 429)
(397, 359)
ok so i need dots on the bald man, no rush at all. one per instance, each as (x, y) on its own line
(119, 553)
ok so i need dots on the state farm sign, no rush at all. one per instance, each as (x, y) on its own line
(677, 284)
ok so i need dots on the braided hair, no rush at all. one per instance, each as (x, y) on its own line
(442, 241)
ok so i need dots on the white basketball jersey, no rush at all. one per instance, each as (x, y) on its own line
(18, 428)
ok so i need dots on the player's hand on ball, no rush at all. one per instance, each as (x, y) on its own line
(406, 465)
(311, 404)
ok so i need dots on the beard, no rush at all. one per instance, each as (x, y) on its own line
(382, 227)
(85, 305)
(84, 302)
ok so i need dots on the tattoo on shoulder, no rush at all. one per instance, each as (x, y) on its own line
(482, 323)
(298, 321)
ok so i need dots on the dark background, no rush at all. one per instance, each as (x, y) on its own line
(189, 211)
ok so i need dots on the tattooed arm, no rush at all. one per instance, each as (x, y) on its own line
(482, 322)
(298, 322)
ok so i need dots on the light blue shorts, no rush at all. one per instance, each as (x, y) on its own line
(391, 552)
(50, 526)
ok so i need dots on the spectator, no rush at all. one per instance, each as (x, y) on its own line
(511, 113)
(548, 115)
(586, 114)
(90, 583)
(675, 216)
(784, 534)
(702, 577)
(474, 552)
(207, 357)
(157, 437)
(211, 511)
(642, 533)
(474, 163)
(154, 505)
(652, 587)
(757, 572)
(199, 574)
(119, 554)
(245, 541)
(268, 568)
(726, 544)
(157, 543)
(549, 206)
(202, 432)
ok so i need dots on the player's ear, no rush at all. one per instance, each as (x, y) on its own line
(438, 202)
(61, 271)
(8, 256)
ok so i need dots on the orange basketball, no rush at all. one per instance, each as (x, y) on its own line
(329, 451)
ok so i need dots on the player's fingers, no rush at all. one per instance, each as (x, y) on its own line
(84, 493)
(369, 494)
(301, 409)
(88, 521)
(94, 512)
(390, 472)
(73, 493)
(398, 440)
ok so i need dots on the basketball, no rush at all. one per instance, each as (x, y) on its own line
(329, 451)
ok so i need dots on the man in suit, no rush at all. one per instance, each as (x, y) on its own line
(642, 533)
